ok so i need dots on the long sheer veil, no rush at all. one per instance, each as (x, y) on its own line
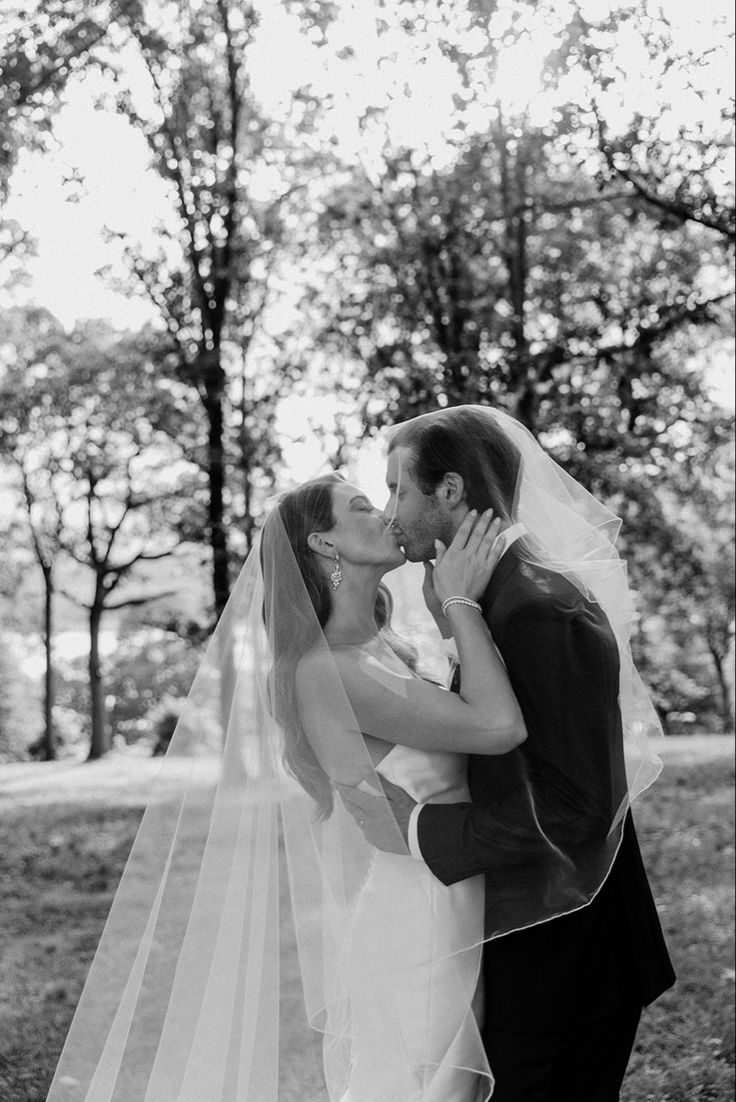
(572, 533)
(225, 948)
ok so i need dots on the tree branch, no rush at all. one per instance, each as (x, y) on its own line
(71, 597)
(133, 601)
(142, 556)
(671, 206)
(676, 314)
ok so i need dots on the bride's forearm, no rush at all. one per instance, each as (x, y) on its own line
(484, 681)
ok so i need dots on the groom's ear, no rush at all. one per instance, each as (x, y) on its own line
(451, 490)
(317, 542)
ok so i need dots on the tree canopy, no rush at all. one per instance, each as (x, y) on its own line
(527, 204)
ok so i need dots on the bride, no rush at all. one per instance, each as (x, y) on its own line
(187, 998)
(410, 973)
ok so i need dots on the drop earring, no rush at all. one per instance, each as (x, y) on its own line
(336, 575)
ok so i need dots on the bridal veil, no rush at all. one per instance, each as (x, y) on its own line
(223, 956)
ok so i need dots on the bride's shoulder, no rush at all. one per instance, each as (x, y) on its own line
(312, 661)
(323, 676)
(323, 661)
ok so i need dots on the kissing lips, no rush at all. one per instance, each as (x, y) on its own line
(399, 537)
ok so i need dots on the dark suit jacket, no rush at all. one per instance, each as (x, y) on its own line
(563, 664)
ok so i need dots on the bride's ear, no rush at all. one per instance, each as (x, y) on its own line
(318, 544)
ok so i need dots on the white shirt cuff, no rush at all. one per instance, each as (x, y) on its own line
(413, 834)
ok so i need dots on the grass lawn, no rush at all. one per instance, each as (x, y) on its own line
(67, 829)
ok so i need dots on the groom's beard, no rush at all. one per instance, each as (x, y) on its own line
(418, 543)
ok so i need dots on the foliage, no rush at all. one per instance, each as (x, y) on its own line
(211, 278)
(42, 44)
(563, 251)
(509, 263)
(63, 860)
(567, 259)
(146, 679)
(512, 265)
(673, 158)
(91, 431)
(680, 552)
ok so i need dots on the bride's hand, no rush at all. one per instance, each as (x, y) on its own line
(464, 568)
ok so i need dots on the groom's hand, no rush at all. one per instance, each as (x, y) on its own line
(384, 823)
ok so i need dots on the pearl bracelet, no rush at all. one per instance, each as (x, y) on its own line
(459, 601)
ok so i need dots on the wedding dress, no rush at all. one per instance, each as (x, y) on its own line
(411, 977)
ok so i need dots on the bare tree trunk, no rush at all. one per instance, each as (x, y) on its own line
(248, 525)
(216, 476)
(49, 735)
(514, 199)
(664, 719)
(100, 743)
(726, 703)
(45, 561)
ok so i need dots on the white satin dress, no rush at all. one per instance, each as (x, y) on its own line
(414, 985)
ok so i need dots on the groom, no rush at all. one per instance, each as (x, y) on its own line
(564, 994)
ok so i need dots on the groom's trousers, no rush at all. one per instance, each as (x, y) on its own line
(582, 1063)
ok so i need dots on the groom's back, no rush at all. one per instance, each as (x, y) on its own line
(563, 662)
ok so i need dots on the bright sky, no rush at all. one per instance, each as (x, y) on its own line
(96, 175)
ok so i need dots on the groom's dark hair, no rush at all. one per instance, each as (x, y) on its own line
(465, 440)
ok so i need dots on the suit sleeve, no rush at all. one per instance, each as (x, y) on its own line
(561, 790)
